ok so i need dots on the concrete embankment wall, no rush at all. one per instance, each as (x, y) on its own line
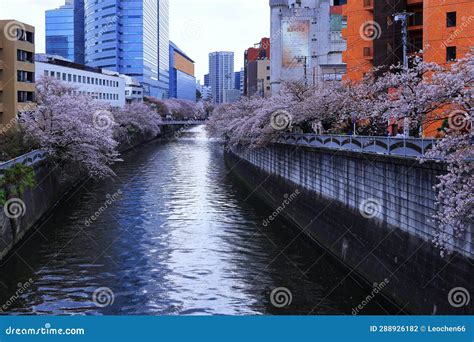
(54, 182)
(396, 244)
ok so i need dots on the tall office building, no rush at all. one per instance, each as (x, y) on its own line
(60, 37)
(221, 74)
(132, 38)
(163, 47)
(79, 31)
(65, 31)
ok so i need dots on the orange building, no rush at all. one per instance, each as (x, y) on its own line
(443, 29)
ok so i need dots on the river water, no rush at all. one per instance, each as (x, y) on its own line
(175, 233)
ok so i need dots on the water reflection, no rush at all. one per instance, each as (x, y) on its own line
(181, 238)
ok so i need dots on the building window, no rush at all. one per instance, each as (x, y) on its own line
(25, 76)
(52, 73)
(416, 19)
(451, 53)
(79, 78)
(451, 19)
(25, 56)
(64, 76)
(25, 36)
(26, 96)
(74, 78)
(69, 77)
(46, 73)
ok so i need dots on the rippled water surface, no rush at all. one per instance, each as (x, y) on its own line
(173, 234)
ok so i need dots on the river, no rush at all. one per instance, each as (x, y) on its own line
(175, 233)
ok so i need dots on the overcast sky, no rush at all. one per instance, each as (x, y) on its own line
(197, 27)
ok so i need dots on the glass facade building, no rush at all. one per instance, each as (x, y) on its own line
(79, 31)
(127, 36)
(60, 31)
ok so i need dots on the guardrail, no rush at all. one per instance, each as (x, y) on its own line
(28, 159)
(402, 147)
(183, 122)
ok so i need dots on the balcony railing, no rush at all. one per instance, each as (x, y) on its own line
(28, 159)
(402, 147)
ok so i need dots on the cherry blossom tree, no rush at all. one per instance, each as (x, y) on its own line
(135, 119)
(71, 128)
(419, 95)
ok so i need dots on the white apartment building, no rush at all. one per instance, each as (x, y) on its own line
(102, 85)
(306, 42)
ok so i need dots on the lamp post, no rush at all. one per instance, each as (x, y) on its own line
(403, 18)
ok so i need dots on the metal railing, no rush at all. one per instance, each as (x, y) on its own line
(402, 147)
(183, 122)
(28, 159)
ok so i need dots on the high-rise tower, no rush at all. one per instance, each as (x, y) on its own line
(132, 38)
(221, 74)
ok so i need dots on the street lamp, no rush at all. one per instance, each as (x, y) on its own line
(403, 18)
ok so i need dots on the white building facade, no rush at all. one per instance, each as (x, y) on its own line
(133, 90)
(102, 85)
(306, 42)
(221, 74)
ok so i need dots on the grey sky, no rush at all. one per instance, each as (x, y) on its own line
(197, 26)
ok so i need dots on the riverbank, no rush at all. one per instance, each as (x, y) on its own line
(332, 185)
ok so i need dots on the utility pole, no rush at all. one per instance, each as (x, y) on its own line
(403, 18)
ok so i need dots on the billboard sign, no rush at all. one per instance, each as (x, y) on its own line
(295, 41)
